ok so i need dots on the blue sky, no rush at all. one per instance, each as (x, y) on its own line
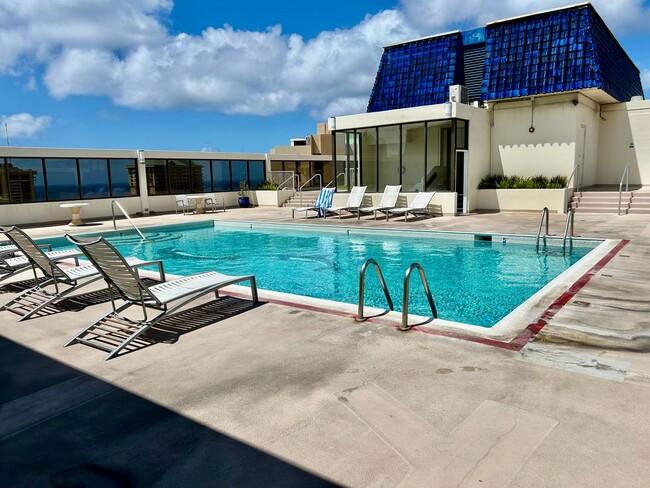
(221, 76)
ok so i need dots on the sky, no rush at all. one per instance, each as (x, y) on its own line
(205, 75)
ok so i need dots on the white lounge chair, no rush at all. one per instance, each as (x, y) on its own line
(353, 203)
(323, 202)
(418, 206)
(37, 297)
(388, 201)
(113, 332)
(185, 204)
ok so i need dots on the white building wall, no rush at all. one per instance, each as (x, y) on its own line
(624, 138)
(549, 150)
(479, 147)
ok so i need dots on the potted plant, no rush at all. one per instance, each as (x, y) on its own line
(243, 200)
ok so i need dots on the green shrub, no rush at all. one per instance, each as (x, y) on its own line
(489, 182)
(557, 181)
(502, 182)
(267, 185)
(539, 181)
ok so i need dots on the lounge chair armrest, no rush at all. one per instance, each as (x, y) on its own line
(158, 263)
(45, 247)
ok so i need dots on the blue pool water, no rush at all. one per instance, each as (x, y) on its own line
(473, 280)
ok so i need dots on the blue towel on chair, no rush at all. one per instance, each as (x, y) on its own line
(324, 200)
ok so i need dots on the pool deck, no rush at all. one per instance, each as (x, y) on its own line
(282, 395)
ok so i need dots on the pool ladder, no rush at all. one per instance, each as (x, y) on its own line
(568, 228)
(405, 302)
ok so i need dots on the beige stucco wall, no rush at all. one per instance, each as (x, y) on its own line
(624, 138)
(527, 200)
(549, 150)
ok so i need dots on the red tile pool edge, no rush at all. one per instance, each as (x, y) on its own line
(518, 342)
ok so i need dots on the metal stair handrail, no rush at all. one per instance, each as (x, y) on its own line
(427, 291)
(570, 180)
(362, 280)
(543, 217)
(115, 202)
(625, 176)
(569, 224)
(320, 185)
(292, 179)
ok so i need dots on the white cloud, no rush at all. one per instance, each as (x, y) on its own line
(24, 125)
(122, 50)
(622, 16)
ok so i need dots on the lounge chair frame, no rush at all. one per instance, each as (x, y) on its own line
(388, 201)
(36, 298)
(125, 283)
(323, 202)
(354, 202)
(419, 206)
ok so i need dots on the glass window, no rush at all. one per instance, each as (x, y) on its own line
(439, 155)
(303, 170)
(94, 178)
(157, 177)
(4, 186)
(256, 171)
(62, 179)
(124, 177)
(389, 156)
(239, 173)
(327, 170)
(26, 180)
(413, 147)
(178, 172)
(368, 144)
(461, 134)
(201, 178)
(221, 175)
(343, 158)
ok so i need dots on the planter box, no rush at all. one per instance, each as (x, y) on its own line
(526, 200)
(270, 198)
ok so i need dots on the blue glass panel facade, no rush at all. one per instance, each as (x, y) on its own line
(562, 50)
(620, 77)
(417, 73)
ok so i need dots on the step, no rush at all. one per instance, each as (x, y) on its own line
(639, 210)
(604, 193)
(599, 198)
(601, 205)
(608, 210)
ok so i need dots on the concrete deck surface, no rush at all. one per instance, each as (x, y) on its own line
(276, 395)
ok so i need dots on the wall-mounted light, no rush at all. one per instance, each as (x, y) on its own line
(141, 158)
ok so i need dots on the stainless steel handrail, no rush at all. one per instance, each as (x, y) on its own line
(362, 281)
(342, 173)
(293, 183)
(626, 176)
(405, 304)
(115, 202)
(320, 185)
(541, 221)
(570, 179)
(569, 222)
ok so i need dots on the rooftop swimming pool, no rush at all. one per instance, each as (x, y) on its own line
(474, 279)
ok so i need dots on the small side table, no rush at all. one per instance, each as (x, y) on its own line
(75, 210)
(200, 203)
